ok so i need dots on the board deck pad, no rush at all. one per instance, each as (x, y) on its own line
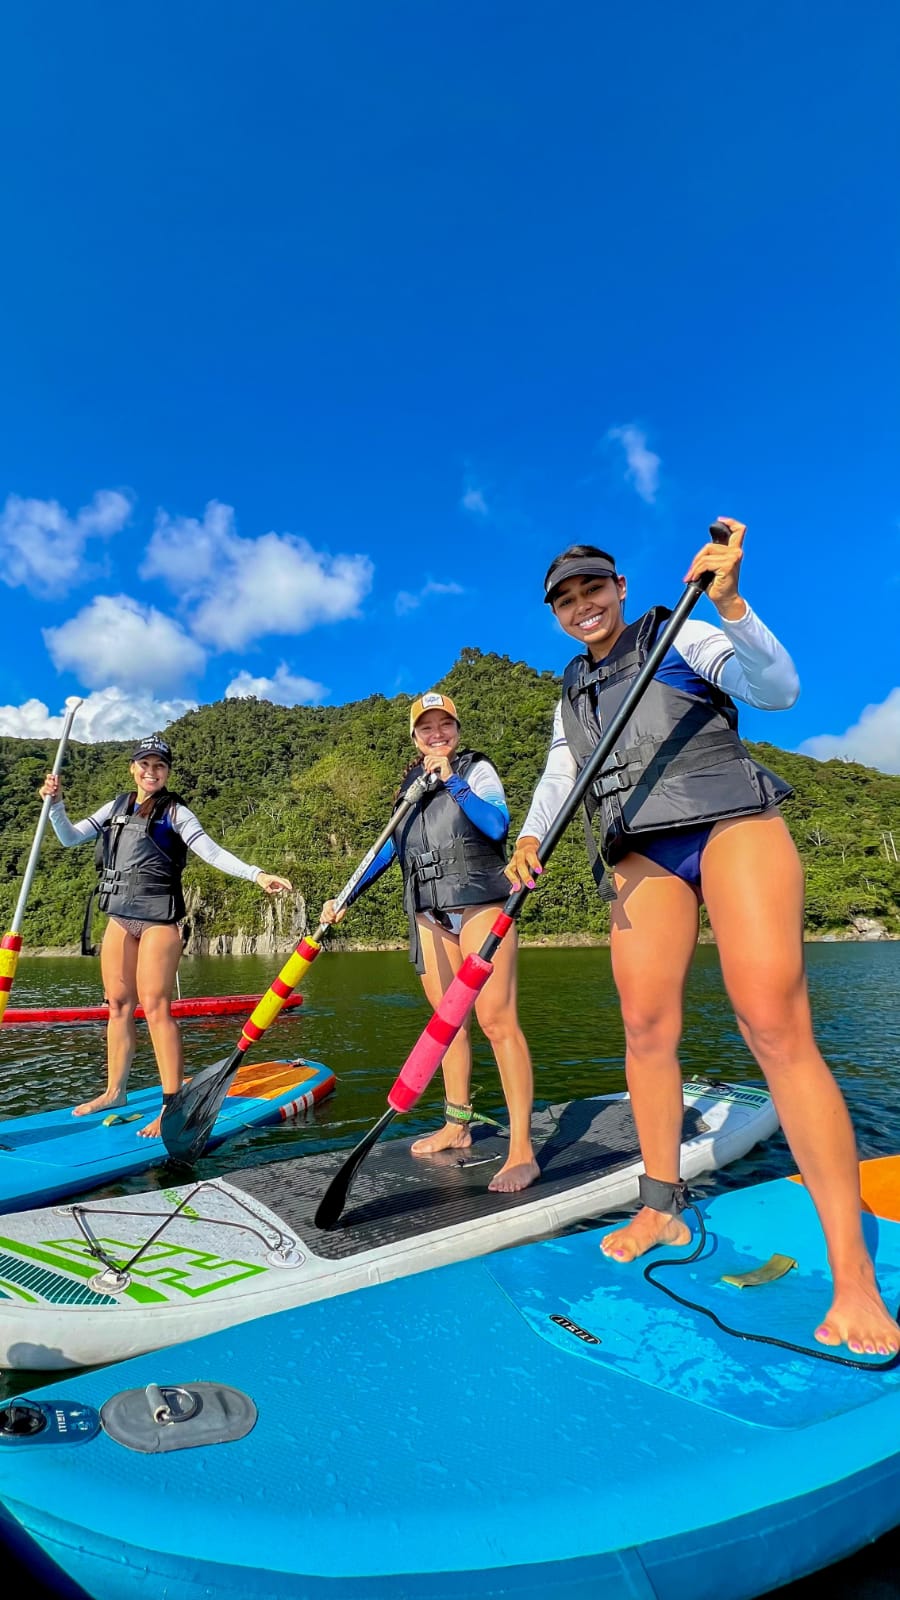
(607, 1313)
(398, 1196)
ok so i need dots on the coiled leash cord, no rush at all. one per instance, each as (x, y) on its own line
(679, 1200)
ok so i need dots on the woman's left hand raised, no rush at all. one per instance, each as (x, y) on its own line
(273, 884)
(725, 561)
(439, 765)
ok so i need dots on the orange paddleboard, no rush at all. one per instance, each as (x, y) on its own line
(879, 1181)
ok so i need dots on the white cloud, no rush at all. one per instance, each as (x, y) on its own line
(405, 601)
(111, 714)
(239, 589)
(641, 465)
(284, 689)
(117, 640)
(473, 500)
(874, 740)
(42, 547)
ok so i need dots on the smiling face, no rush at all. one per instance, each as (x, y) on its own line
(589, 609)
(149, 775)
(436, 733)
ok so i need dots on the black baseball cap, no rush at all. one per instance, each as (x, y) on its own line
(576, 567)
(153, 745)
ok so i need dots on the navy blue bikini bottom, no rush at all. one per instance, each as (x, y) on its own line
(679, 852)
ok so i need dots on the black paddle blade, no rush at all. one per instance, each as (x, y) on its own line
(335, 1197)
(187, 1121)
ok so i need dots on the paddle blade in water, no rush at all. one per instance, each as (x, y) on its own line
(335, 1197)
(187, 1121)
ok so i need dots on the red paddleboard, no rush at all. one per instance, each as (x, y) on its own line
(215, 1005)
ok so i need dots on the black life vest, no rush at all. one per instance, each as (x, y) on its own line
(446, 861)
(142, 863)
(679, 762)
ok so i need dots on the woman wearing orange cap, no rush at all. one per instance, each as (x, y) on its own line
(451, 853)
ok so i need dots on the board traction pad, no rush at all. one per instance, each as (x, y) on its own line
(397, 1196)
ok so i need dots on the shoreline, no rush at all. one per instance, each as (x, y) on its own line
(556, 941)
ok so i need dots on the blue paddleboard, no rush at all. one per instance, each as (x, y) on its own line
(542, 1424)
(53, 1153)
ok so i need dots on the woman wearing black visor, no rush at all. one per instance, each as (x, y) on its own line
(685, 816)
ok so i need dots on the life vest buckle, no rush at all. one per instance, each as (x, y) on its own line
(427, 866)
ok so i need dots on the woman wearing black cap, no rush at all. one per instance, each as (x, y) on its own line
(145, 836)
(687, 816)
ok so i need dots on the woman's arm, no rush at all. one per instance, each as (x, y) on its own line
(480, 796)
(743, 658)
(71, 833)
(189, 829)
(554, 785)
(382, 861)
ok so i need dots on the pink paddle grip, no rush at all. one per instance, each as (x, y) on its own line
(429, 1050)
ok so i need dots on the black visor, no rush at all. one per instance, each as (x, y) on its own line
(155, 745)
(576, 567)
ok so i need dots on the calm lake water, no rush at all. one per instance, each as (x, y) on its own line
(364, 1011)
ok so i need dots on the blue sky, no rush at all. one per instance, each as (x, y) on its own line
(324, 325)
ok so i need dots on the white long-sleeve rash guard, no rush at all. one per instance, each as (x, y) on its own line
(742, 658)
(183, 822)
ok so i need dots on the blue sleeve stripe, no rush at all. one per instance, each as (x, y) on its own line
(714, 669)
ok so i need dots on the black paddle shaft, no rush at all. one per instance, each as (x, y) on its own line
(333, 1200)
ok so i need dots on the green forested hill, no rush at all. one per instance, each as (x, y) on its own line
(304, 790)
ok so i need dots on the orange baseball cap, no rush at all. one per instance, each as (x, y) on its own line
(431, 702)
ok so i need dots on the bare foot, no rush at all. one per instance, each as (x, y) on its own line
(110, 1100)
(151, 1131)
(858, 1317)
(452, 1136)
(515, 1176)
(644, 1231)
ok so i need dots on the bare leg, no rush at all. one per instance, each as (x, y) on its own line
(158, 957)
(753, 887)
(442, 962)
(653, 933)
(498, 1019)
(118, 968)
